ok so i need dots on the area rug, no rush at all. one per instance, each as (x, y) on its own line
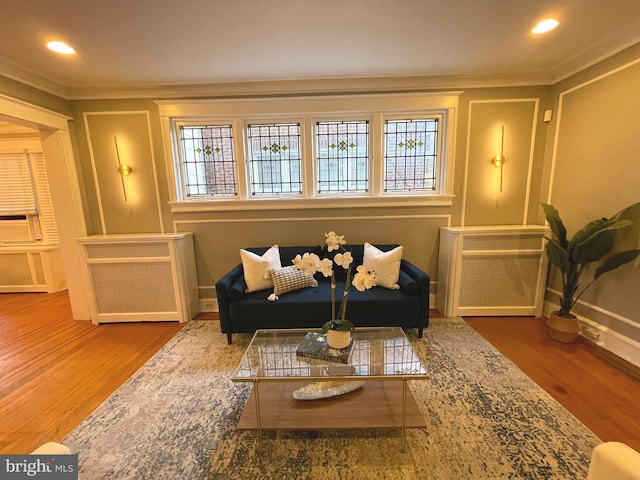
(175, 419)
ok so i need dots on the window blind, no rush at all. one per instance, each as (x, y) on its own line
(17, 195)
(46, 216)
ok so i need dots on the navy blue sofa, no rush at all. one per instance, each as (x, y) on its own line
(241, 312)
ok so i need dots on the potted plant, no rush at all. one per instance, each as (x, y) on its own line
(338, 329)
(338, 332)
(593, 243)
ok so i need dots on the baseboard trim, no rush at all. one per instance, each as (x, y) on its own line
(610, 357)
(617, 345)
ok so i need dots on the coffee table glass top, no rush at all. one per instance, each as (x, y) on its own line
(378, 353)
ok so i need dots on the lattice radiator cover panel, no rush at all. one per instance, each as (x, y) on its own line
(498, 281)
(133, 287)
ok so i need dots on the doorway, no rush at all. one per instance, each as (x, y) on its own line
(55, 138)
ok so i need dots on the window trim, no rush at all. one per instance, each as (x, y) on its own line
(307, 110)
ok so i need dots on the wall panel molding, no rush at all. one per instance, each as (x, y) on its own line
(509, 165)
(94, 163)
(561, 99)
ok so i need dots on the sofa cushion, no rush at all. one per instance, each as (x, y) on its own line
(407, 284)
(289, 279)
(385, 264)
(238, 289)
(309, 307)
(256, 266)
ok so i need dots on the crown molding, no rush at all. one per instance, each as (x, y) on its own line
(32, 79)
(607, 47)
(327, 86)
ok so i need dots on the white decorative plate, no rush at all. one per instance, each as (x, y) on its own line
(330, 388)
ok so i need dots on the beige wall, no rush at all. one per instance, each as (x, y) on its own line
(218, 238)
(126, 204)
(136, 125)
(593, 171)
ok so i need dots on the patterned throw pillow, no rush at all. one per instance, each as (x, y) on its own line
(288, 279)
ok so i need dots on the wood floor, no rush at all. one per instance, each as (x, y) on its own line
(603, 397)
(55, 371)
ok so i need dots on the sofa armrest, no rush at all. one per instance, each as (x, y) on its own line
(223, 286)
(423, 280)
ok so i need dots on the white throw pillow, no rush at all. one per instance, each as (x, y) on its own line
(385, 264)
(256, 267)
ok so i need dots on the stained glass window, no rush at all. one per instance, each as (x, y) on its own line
(274, 158)
(342, 151)
(363, 149)
(208, 160)
(410, 155)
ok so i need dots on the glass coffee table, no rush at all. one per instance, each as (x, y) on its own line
(382, 362)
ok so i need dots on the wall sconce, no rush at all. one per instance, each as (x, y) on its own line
(499, 159)
(124, 169)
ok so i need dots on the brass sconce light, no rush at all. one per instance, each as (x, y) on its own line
(499, 159)
(124, 169)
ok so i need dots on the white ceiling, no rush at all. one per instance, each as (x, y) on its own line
(124, 44)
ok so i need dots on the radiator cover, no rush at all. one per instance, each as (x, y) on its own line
(491, 271)
(141, 277)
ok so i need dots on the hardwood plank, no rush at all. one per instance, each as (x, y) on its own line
(378, 404)
(55, 371)
(597, 393)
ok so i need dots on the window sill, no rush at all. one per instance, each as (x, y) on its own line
(310, 204)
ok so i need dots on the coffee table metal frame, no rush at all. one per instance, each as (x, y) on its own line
(379, 354)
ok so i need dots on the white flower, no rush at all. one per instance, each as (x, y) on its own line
(311, 263)
(343, 259)
(307, 263)
(326, 267)
(364, 279)
(334, 241)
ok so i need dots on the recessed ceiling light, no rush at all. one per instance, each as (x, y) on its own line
(545, 26)
(61, 47)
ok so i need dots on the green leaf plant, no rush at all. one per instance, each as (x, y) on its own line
(593, 243)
